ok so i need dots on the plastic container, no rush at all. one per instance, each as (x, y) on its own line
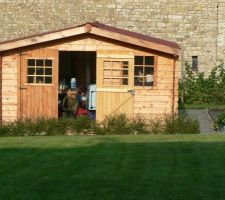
(73, 84)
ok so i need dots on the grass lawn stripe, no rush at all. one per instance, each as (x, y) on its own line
(181, 167)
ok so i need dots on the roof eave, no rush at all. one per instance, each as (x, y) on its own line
(38, 39)
(135, 41)
(87, 28)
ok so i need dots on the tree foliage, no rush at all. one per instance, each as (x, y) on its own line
(196, 88)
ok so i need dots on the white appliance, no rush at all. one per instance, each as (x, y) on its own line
(92, 97)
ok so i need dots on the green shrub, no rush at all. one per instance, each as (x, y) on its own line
(116, 124)
(139, 125)
(180, 125)
(20, 128)
(30, 128)
(50, 127)
(121, 124)
(82, 124)
(156, 126)
(220, 123)
(5, 130)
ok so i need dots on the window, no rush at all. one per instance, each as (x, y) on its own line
(144, 70)
(39, 71)
(195, 63)
(115, 73)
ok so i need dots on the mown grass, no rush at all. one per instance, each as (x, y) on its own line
(176, 167)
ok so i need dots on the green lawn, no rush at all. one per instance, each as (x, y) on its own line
(159, 167)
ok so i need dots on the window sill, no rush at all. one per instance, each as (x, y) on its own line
(144, 87)
(39, 84)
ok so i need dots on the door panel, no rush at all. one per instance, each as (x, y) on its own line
(112, 103)
(115, 83)
(38, 84)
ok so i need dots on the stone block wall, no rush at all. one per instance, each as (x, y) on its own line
(198, 26)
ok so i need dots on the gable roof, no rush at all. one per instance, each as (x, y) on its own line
(99, 29)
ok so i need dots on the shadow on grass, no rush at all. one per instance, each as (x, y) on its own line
(115, 170)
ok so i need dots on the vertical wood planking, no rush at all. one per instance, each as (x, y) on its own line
(108, 101)
(39, 100)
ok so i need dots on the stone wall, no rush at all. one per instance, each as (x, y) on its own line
(198, 26)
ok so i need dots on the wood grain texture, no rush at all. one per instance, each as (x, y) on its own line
(9, 86)
(114, 99)
(0, 88)
(134, 41)
(90, 29)
(110, 103)
(39, 100)
(41, 38)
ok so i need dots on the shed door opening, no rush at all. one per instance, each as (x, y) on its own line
(77, 83)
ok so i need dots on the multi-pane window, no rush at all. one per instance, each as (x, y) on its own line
(115, 73)
(144, 70)
(39, 71)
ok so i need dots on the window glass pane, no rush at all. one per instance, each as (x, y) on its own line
(39, 79)
(125, 81)
(48, 79)
(39, 62)
(116, 64)
(139, 60)
(148, 83)
(138, 71)
(48, 63)
(107, 72)
(107, 81)
(149, 78)
(125, 62)
(31, 71)
(31, 62)
(116, 73)
(48, 71)
(107, 64)
(39, 71)
(138, 81)
(125, 72)
(116, 81)
(40, 68)
(125, 67)
(149, 60)
(30, 79)
(149, 70)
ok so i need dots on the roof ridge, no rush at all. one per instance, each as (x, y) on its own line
(87, 29)
(129, 33)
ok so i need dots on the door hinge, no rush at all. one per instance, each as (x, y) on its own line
(22, 88)
(132, 92)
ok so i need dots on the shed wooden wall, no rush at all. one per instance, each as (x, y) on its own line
(0, 88)
(158, 101)
(149, 102)
(10, 64)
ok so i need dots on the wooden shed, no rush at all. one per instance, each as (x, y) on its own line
(133, 73)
